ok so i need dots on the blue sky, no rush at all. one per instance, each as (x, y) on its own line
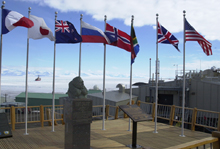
(201, 14)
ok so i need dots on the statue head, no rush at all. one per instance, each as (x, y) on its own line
(77, 88)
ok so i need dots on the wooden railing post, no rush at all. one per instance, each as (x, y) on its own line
(153, 112)
(42, 115)
(194, 114)
(63, 123)
(116, 112)
(218, 127)
(216, 145)
(139, 103)
(172, 113)
(12, 117)
(132, 102)
(107, 112)
(49, 117)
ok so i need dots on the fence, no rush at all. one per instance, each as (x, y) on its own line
(192, 116)
(43, 113)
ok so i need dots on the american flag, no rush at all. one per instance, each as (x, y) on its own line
(164, 36)
(192, 35)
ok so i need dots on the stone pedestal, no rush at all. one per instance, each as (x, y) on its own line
(77, 118)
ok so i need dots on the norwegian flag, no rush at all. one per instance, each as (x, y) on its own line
(166, 37)
(118, 38)
(192, 35)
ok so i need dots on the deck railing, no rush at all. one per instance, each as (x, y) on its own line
(43, 113)
(192, 116)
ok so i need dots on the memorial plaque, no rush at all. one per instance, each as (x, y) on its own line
(5, 129)
(77, 118)
(135, 113)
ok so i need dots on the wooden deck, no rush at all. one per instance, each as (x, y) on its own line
(115, 136)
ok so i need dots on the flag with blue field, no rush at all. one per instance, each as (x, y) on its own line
(66, 32)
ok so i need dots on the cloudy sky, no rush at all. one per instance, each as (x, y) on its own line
(201, 14)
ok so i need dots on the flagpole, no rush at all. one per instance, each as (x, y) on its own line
(26, 84)
(54, 61)
(156, 90)
(103, 116)
(129, 126)
(80, 45)
(183, 101)
(1, 57)
(150, 72)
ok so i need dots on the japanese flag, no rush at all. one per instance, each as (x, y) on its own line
(40, 29)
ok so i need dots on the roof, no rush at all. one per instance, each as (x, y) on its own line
(113, 96)
(49, 95)
(139, 84)
(91, 91)
(41, 95)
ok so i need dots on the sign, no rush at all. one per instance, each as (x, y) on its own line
(135, 113)
(5, 129)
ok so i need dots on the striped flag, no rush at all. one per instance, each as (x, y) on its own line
(192, 35)
(134, 45)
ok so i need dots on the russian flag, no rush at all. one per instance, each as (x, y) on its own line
(93, 34)
(12, 19)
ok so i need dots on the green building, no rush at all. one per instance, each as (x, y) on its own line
(37, 99)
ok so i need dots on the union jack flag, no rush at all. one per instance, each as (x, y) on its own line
(118, 38)
(66, 32)
(166, 37)
(63, 26)
(192, 35)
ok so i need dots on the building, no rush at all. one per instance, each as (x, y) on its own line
(113, 98)
(37, 99)
(202, 90)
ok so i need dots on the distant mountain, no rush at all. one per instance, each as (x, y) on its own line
(17, 72)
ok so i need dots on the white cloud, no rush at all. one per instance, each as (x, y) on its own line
(201, 14)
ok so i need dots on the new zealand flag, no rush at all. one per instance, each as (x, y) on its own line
(166, 37)
(66, 32)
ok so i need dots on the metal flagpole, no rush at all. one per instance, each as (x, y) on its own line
(26, 84)
(129, 126)
(1, 57)
(150, 72)
(156, 90)
(80, 45)
(183, 101)
(54, 61)
(103, 118)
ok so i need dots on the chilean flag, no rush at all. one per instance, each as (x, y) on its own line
(12, 19)
(93, 34)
